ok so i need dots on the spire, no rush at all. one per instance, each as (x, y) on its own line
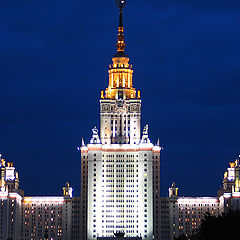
(120, 44)
(121, 18)
(83, 144)
(120, 71)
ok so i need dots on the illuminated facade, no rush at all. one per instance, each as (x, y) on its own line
(120, 180)
(186, 213)
(35, 218)
(121, 167)
(183, 215)
(46, 216)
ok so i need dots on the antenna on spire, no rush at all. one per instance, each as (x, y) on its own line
(121, 4)
(121, 44)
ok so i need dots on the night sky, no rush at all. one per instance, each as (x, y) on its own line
(54, 61)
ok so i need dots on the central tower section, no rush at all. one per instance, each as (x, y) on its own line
(120, 105)
(120, 182)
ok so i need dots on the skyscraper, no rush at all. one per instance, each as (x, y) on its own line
(120, 181)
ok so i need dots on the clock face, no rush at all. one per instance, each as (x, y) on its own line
(120, 111)
(105, 107)
(134, 107)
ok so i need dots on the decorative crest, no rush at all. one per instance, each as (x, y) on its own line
(121, 3)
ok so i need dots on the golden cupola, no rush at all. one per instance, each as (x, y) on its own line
(120, 71)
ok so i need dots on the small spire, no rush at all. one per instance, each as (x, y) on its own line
(83, 144)
(120, 44)
(158, 142)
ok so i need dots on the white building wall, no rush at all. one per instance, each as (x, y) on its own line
(146, 196)
(156, 192)
(76, 219)
(120, 190)
(4, 217)
(53, 214)
(94, 191)
(120, 121)
(10, 215)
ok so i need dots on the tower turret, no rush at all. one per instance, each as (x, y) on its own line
(173, 191)
(120, 71)
(120, 104)
(67, 191)
(9, 178)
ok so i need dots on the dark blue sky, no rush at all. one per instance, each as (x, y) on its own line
(54, 60)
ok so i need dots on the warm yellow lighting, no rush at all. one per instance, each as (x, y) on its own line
(232, 165)
(139, 94)
(3, 162)
(102, 94)
(120, 80)
(9, 164)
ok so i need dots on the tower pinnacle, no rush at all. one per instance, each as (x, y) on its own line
(120, 43)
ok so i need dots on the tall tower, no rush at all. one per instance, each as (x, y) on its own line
(120, 181)
(120, 106)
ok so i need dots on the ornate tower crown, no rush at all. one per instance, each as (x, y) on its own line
(120, 71)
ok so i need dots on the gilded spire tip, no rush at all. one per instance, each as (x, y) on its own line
(121, 44)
